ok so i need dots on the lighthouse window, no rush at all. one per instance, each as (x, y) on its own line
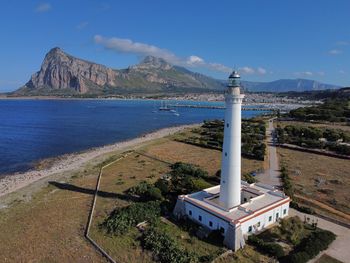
(227, 125)
(225, 154)
(200, 218)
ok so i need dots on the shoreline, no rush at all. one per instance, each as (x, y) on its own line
(10, 183)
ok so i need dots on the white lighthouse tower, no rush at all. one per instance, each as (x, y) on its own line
(230, 185)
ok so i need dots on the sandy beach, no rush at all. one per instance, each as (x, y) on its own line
(13, 182)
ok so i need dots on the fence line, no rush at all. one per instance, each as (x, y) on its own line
(100, 249)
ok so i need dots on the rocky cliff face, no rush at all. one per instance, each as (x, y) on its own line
(63, 72)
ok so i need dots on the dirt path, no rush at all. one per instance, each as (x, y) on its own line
(324, 206)
(271, 173)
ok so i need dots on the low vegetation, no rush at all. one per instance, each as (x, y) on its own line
(211, 135)
(333, 110)
(310, 246)
(293, 241)
(270, 248)
(165, 248)
(312, 137)
(146, 191)
(122, 219)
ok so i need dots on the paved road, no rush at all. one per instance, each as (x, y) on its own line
(271, 174)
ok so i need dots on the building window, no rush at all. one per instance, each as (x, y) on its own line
(227, 125)
(277, 215)
(250, 228)
(225, 153)
(200, 218)
(270, 218)
(210, 223)
(245, 200)
(285, 211)
(190, 212)
(222, 230)
(258, 224)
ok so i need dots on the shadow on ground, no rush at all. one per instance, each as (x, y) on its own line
(74, 188)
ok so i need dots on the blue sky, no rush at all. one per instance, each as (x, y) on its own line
(266, 40)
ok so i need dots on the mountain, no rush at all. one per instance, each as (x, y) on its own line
(285, 85)
(63, 74)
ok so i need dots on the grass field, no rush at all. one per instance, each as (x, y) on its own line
(322, 178)
(47, 224)
(50, 226)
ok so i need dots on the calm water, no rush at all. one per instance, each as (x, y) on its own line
(31, 130)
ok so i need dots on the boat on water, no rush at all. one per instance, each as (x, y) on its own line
(164, 107)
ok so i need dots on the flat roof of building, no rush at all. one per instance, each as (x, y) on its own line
(264, 198)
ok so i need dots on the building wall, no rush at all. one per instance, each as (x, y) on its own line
(206, 218)
(218, 223)
(264, 219)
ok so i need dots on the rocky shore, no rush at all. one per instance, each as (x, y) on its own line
(13, 182)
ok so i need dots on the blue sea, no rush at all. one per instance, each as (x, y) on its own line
(31, 130)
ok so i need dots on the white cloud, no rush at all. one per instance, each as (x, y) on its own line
(82, 25)
(335, 52)
(304, 74)
(128, 46)
(194, 60)
(343, 43)
(261, 71)
(247, 70)
(342, 71)
(43, 7)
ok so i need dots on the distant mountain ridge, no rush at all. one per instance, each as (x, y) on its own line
(285, 85)
(63, 74)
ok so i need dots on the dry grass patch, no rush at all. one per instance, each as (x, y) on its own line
(208, 159)
(325, 179)
(115, 180)
(50, 227)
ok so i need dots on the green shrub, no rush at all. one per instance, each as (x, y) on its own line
(287, 183)
(270, 248)
(165, 248)
(146, 191)
(292, 229)
(310, 246)
(249, 178)
(122, 219)
(302, 209)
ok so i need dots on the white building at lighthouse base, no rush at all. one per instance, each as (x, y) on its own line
(261, 206)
